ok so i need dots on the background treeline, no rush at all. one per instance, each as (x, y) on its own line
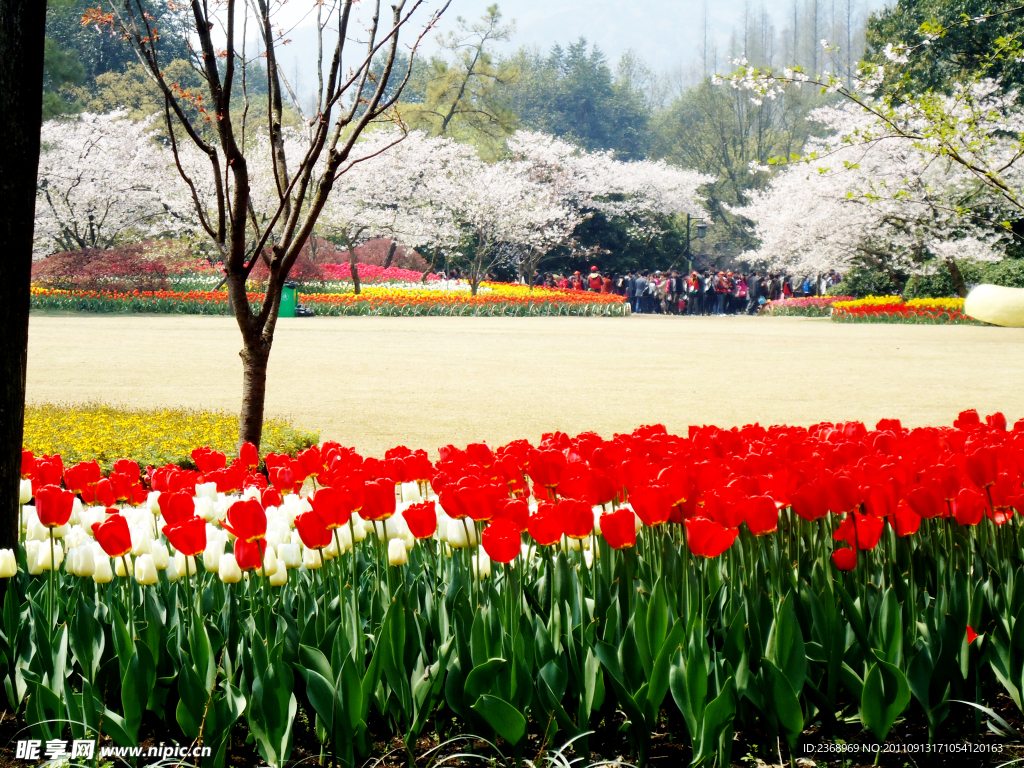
(476, 89)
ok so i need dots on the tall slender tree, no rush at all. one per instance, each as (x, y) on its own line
(22, 42)
(351, 96)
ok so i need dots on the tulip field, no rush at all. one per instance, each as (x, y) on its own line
(410, 300)
(781, 587)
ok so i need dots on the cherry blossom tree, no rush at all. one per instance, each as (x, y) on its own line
(885, 203)
(104, 180)
(356, 89)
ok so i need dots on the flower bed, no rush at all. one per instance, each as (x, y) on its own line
(104, 433)
(373, 273)
(811, 306)
(730, 581)
(497, 299)
(893, 309)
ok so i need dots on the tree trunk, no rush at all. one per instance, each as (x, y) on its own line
(22, 29)
(391, 253)
(254, 391)
(353, 270)
(958, 278)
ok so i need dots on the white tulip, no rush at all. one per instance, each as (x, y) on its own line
(36, 530)
(103, 573)
(269, 561)
(279, 578)
(205, 510)
(76, 511)
(153, 502)
(119, 565)
(290, 555)
(358, 527)
(411, 492)
(26, 492)
(142, 540)
(207, 491)
(8, 563)
(397, 553)
(161, 558)
(92, 515)
(252, 492)
(26, 514)
(481, 565)
(213, 554)
(85, 561)
(229, 571)
(179, 565)
(145, 570)
(311, 559)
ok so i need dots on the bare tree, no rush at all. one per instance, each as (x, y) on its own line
(22, 34)
(350, 96)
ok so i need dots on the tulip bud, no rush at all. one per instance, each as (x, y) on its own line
(36, 531)
(358, 528)
(32, 558)
(330, 551)
(103, 574)
(481, 565)
(570, 544)
(153, 502)
(409, 540)
(207, 491)
(76, 511)
(345, 537)
(161, 558)
(85, 561)
(252, 492)
(397, 553)
(213, 554)
(44, 556)
(8, 562)
(26, 491)
(411, 492)
(142, 540)
(205, 510)
(279, 578)
(145, 570)
(290, 555)
(311, 559)
(270, 564)
(179, 565)
(119, 565)
(229, 571)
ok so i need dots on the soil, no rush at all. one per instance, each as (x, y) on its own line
(373, 383)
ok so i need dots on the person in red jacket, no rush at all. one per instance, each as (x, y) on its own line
(594, 281)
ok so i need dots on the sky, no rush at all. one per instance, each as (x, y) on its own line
(667, 34)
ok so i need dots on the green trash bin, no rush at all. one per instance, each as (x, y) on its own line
(289, 299)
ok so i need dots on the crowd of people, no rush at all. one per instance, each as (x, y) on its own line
(707, 292)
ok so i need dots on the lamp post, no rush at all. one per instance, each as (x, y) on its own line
(702, 229)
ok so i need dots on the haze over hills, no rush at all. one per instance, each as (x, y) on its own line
(667, 34)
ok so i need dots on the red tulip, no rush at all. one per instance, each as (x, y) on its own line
(577, 518)
(967, 419)
(545, 526)
(996, 421)
(249, 554)
(48, 470)
(480, 453)
(860, 531)
(501, 540)
(845, 558)
(761, 515)
(706, 538)
(270, 497)
(176, 507)
(843, 493)
(53, 505)
(187, 536)
(577, 482)
(310, 462)
(28, 464)
(810, 501)
(983, 467)
(207, 459)
(128, 468)
(516, 510)
(113, 535)
(906, 521)
(619, 528)
(970, 506)
(104, 493)
(546, 467)
(421, 519)
(287, 478)
(249, 456)
(81, 477)
(329, 505)
(246, 520)
(925, 502)
(971, 634)
(889, 425)
(378, 500)
(723, 505)
(313, 530)
(653, 505)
